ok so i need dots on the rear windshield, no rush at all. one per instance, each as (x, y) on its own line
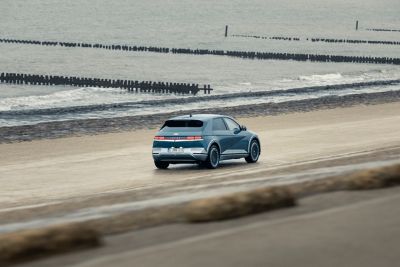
(183, 124)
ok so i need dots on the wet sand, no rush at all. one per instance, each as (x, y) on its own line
(57, 129)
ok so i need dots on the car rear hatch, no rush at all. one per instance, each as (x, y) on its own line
(180, 133)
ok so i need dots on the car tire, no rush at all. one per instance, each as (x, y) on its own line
(161, 164)
(254, 152)
(213, 158)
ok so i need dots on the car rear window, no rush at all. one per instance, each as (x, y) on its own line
(183, 124)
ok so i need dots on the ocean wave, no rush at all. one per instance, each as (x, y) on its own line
(330, 77)
(68, 99)
(65, 98)
(52, 99)
(349, 77)
(305, 92)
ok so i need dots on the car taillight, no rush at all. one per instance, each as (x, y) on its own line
(178, 138)
(194, 137)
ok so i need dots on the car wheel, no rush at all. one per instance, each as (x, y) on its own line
(161, 164)
(254, 152)
(213, 157)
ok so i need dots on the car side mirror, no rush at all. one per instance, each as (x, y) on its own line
(236, 130)
(243, 128)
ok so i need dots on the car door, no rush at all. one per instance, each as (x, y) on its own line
(237, 139)
(220, 131)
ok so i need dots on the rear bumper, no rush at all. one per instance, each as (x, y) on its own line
(189, 155)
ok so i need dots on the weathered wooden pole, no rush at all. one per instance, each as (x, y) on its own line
(357, 25)
(226, 30)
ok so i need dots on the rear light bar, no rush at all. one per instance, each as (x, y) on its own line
(178, 138)
(194, 137)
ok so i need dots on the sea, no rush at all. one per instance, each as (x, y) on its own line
(187, 24)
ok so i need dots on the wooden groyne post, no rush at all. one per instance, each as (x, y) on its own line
(128, 85)
(226, 30)
(207, 89)
(357, 25)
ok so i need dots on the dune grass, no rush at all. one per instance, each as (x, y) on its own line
(374, 178)
(35, 243)
(261, 200)
(239, 204)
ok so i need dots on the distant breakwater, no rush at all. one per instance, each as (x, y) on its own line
(129, 85)
(383, 30)
(239, 54)
(315, 40)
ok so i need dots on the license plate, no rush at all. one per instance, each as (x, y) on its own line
(176, 150)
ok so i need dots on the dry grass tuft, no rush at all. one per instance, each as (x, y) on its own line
(30, 244)
(361, 180)
(238, 204)
(136, 220)
(245, 203)
(374, 178)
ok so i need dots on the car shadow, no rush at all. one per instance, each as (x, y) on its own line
(228, 164)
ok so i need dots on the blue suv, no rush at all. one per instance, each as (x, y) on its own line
(204, 139)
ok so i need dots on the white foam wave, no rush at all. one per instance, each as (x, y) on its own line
(349, 77)
(245, 83)
(74, 97)
(322, 78)
(79, 95)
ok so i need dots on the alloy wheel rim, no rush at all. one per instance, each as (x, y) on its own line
(214, 157)
(254, 151)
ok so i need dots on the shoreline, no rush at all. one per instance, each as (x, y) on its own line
(60, 129)
(197, 99)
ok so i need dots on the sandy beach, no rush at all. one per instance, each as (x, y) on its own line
(78, 179)
(75, 172)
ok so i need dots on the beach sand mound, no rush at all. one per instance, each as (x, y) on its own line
(238, 204)
(34, 243)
